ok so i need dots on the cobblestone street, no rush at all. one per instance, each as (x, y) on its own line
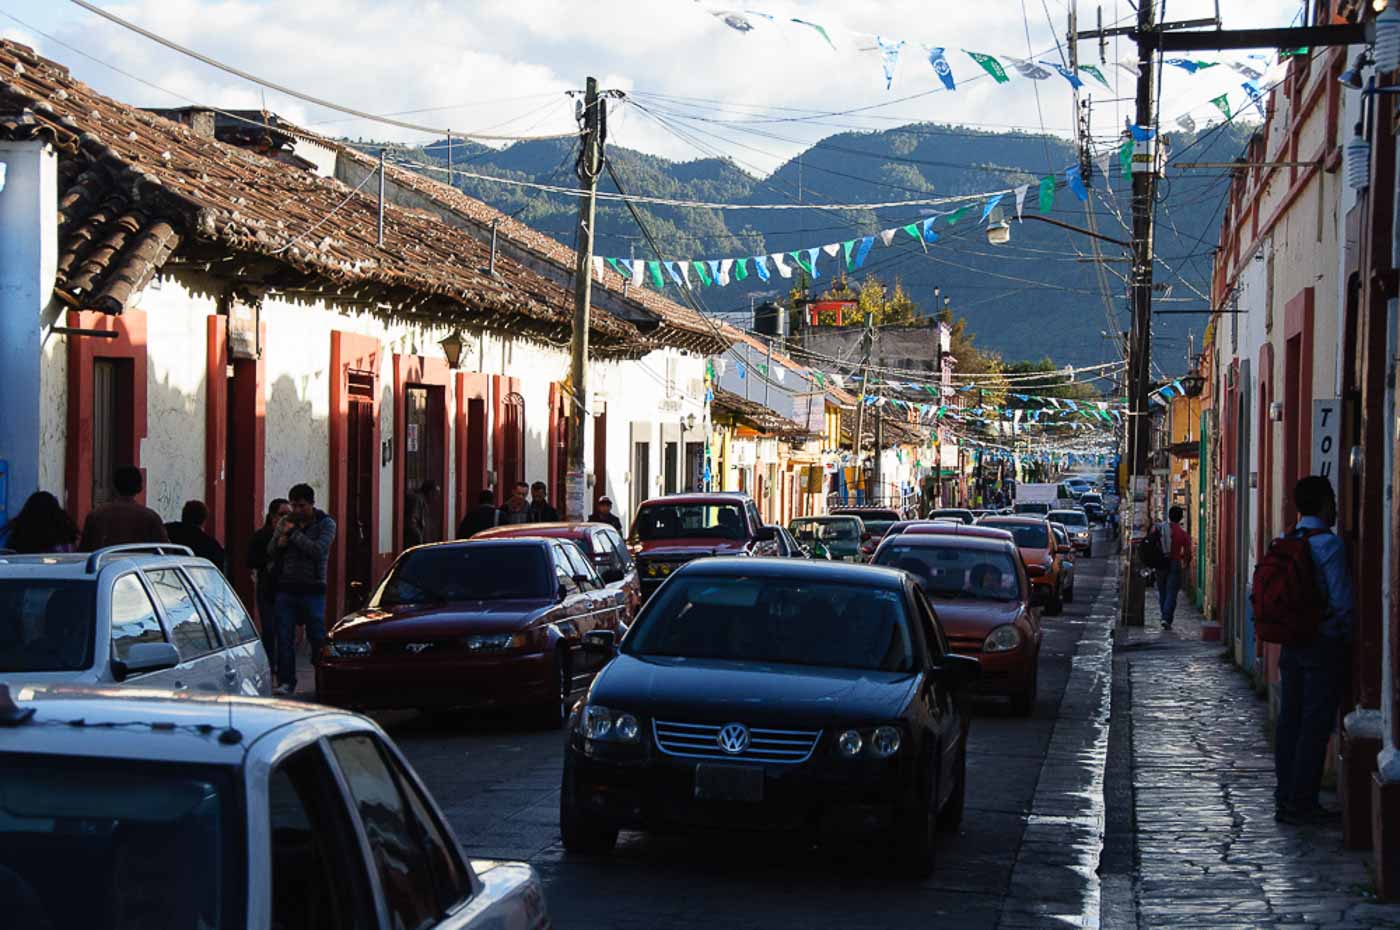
(1206, 849)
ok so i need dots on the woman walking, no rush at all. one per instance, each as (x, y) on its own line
(42, 525)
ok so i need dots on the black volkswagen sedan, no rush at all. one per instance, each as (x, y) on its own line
(774, 694)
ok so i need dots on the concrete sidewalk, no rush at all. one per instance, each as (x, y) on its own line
(1205, 848)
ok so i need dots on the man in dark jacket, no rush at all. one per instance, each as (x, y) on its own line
(541, 510)
(189, 531)
(603, 513)
(123, 520)
(417, 506)
(516, 509)
(483, 517)
(302, 544)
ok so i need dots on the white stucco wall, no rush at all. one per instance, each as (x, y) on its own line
(53, 415)
(173, 450)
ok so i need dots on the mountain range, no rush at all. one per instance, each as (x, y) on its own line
(1046, 293)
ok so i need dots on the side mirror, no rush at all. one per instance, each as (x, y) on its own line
(957, 672)
(145, 657)
(583, 581)
(612, 575)
(766, 534)
(600, 641)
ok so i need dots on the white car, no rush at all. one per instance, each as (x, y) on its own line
(122, 808)
(153, 616)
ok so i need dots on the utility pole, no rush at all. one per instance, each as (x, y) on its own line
(866, 341)
(590, 166)
(877, 472)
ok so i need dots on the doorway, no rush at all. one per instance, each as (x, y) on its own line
(360, 467)
(424, 414)
(671, 466)
(641, 473)
(111, 424)
(695, 466)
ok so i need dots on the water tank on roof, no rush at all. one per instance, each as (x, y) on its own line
(770, 319)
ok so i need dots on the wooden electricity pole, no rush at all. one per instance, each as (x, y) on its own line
(590, 166)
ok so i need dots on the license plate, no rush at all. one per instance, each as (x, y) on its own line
(728, 782)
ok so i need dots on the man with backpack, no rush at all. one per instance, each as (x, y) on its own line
(1302, 599)
(1166, 550)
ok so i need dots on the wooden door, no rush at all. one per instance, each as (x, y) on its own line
(359, 498)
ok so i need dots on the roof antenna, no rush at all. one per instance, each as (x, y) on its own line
(230, 736)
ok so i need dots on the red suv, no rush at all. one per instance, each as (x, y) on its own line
(670, 531)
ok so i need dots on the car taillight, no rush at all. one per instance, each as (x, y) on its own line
(1034, 570)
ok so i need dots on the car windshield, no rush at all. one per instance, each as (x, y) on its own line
(677, 521)
(45, 626)
(949, 514)
(1070, 517)
(1090, 498)
(156, 845)
(784, 621)
(1032, 508)
(475, 572)
(1027, 536)
(877, 522)
(838, 531)
(957, 571)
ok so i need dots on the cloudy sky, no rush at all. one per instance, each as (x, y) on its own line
(697, 86)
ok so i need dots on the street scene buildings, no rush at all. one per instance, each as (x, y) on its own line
(379, 546)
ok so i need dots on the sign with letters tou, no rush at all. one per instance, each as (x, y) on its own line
(1325, 436)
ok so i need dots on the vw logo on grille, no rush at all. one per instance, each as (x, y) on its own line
(733, 738)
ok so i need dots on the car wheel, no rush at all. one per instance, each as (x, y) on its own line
(553, 714)
(1056, 606)
(918, 841)
(1023, 704)
(579, 832)
(950, 818)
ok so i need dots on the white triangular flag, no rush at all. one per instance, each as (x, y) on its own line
(781, 265)
(1128, 66)
(639, 268)
(685, 272)
(1021, 198)
(1105, 163)
(780, 373)
(724, 265)
(598, 267)
(887, 236)
(832, 249)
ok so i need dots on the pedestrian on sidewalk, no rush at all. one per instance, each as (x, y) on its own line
(42, 525)
(1177, 547)
(603, 513)
(541, 510)
(189, 531)
(482, 518)
(264, 568)
(302, 543)
(516, 509)
(1311, 675)
(124, 519)
(417, 506)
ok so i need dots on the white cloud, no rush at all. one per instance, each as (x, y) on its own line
(505, 64)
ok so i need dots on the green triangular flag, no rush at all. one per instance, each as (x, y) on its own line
(1290, 52)
(821, 379)
(1202, 65)
(702, 271)
(762, 368)
(819, 29)
(847, 246)
(941, 412)
(655, 269)
(741, 269)
(990, 65)
(618, 268)
(913, 230)
(1125, 157)
(1047, 193)
(958, 214)
(802, 262)
(1223, 102)
(1096, 73)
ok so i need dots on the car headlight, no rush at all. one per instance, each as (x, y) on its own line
(497, 642)
(1002, 639)
(849, 744)
(884, 742)
(600, 723)
(350, 647)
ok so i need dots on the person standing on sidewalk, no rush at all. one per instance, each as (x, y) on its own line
(303, 545)
(1176, 545)
(1311, 675)
(123, 519)
(264, 569)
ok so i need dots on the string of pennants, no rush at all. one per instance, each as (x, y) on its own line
(1000, 68)
(850, 254)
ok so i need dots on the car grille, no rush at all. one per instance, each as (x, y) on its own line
(699, 741)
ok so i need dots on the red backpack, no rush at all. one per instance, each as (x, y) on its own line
(1289, 606)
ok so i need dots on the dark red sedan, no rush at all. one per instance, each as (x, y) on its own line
(979, 589)
(600, 542)
(479, 623)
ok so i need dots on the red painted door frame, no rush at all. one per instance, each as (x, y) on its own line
(558, 444)
(1266, 451)
(234, 479)
(1297, 396)
(130, 343)
(502, 385)
(349, 352)
(472, 476)
(600, 453)
(417, 371)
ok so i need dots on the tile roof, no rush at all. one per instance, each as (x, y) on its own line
(135, 187)
(756, 415)
(895, 431)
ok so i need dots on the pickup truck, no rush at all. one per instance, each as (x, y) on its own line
(670, 531)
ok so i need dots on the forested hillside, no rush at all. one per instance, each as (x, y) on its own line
(1042, 294)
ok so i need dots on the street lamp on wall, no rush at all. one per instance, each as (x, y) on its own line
(452, 348)
(1192, 384)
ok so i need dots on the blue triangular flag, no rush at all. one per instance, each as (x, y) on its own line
(675, 275)
(760, 264)
(990, 206)
(812, 260)
(941, 68)
(861, 251)
(1142, 133)
(1067, 74)
(929, 234)
(1076, 183)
